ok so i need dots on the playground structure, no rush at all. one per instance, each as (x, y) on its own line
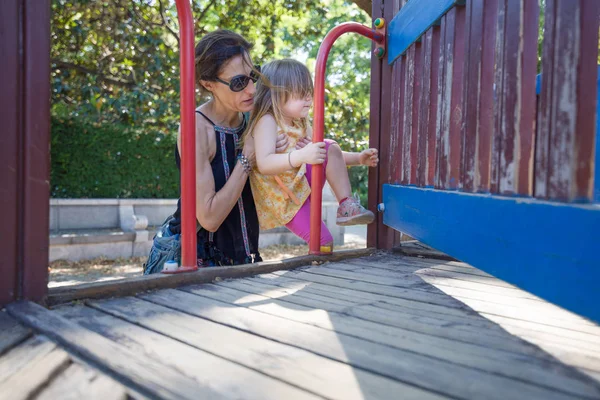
(482, 158)
(452, 135)
(473, 163)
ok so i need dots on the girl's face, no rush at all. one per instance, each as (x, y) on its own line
(297, 107)
(236, 68)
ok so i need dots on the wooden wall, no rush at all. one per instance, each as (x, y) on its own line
(483, 158)
(458, 109)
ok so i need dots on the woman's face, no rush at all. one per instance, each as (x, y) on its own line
(241, 101)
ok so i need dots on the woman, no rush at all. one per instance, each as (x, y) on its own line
(227, 223)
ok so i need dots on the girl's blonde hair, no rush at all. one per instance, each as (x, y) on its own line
(281, 80)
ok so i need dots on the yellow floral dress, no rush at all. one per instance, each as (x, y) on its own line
(279, 197)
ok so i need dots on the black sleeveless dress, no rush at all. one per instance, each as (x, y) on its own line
(236, 240)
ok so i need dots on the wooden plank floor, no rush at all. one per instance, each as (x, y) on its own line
(380, 327)
(33, 366)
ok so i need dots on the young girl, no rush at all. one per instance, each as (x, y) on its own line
(281, 182)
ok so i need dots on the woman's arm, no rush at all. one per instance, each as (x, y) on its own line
(213, 207)
(271, 163)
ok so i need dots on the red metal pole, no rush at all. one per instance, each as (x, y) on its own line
(318, 123)
(187, 105)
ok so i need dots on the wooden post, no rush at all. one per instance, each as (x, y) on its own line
(516, 60)
(381, 122)
(9, 145)
(485, 116)
(24, 148)
(395, 158)
(374, 131)
(432, 58)
(567, 127)
(474, 34)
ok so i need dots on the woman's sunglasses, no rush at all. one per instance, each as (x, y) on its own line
(239, 82)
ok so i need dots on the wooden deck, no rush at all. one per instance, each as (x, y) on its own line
(380, 327)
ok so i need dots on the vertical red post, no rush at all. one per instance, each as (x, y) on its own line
(188, 144)
(318, 123)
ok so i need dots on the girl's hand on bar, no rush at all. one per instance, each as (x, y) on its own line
(369, 157)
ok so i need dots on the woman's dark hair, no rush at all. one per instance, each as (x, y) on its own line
(215, 49)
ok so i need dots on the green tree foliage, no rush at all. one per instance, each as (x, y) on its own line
(116, 62)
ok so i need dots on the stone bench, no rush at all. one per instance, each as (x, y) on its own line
(119, 228)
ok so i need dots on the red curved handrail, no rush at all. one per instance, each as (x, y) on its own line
(321, 66)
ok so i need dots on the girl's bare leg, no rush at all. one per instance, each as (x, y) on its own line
(337, 173)
(350, 212)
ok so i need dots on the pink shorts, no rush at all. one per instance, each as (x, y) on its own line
(300, 224)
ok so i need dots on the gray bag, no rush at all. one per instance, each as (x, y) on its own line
(165, 247)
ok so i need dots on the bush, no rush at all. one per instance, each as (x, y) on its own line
(101, 160)
(90, 159)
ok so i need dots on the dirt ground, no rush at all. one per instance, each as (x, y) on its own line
(63, 273)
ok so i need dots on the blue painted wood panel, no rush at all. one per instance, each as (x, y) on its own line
(549, 249)
(412, 21)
